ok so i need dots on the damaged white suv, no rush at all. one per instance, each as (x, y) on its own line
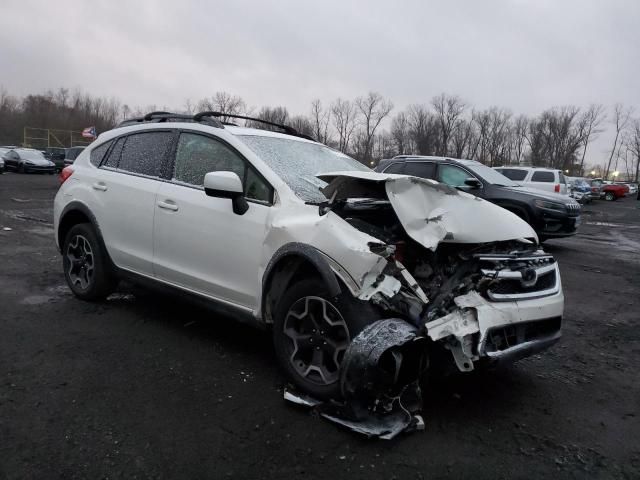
(348, 266)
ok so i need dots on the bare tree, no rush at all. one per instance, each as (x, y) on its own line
(345, 120)
(279, 115)
(621, 117)
(400, 133)
(423, 129)
(224, 103)
(634, 144)
(302, 124)
(373, 108)
(320, 121)
(518, 139)
(590, 121)
(448, 109)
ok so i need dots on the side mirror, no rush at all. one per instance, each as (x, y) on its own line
(226, 185)
(473, 183)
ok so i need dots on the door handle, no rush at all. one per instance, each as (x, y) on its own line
(168, 205)
(99, 186)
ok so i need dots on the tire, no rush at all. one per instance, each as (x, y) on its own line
(609, 196)
(91, 277)
(346, 317)
(21, 168)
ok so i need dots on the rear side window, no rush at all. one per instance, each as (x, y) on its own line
(543, 177)
(395, 168)
(96, 155)
(561, 177)
(513, 173)
(113, 158)
(420, 169)
(144, 153)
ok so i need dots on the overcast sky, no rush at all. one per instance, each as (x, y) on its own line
(524, 55)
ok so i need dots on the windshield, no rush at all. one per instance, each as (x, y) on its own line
(31, 155)
(490, 175)
(298, 163)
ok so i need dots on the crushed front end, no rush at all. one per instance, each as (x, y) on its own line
(462, 279)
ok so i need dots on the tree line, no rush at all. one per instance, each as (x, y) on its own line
(368, 128)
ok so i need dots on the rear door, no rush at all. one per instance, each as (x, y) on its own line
(420, 169)
(199, 242)
(126, 189)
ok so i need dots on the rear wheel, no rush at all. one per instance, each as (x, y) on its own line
(21, 168)
(312, 331)
(609, 196)
(85, 264)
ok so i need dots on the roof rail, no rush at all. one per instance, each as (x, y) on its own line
(216, 119)
(160, 117)
(286, 128)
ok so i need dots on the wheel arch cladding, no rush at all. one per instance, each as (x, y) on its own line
(288, 262)
(73, 214)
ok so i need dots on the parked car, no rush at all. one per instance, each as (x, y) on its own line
(630, 188)
(3, 150)
(71, 154)
(579, 189)
(550, 214)
(56, 155)
(547, 179)
(25, 160)
(608, 190)
(282, 231)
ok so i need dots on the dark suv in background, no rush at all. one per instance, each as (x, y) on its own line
(551, 215)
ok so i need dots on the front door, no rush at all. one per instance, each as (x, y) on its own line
(199, 242)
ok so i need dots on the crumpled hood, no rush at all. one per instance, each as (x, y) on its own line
(429, 211)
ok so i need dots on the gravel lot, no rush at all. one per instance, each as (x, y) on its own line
(145, 386)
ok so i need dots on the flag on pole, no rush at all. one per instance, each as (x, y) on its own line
(89, 132)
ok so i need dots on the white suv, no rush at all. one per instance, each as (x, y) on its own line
(548, 179)
(253, 222)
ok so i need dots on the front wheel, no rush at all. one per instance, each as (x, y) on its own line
(312, 332)
(21, 168)
(609, 196)
(85, 264)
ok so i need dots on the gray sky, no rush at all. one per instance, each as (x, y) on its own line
(524, 55)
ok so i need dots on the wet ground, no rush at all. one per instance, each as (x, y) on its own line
(145, 386)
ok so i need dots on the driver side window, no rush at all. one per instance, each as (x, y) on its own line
(198, 155)
(452, 175)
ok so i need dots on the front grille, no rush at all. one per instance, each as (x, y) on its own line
(502, 338)
(507, 286)
(518, 278)
(573, 209)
